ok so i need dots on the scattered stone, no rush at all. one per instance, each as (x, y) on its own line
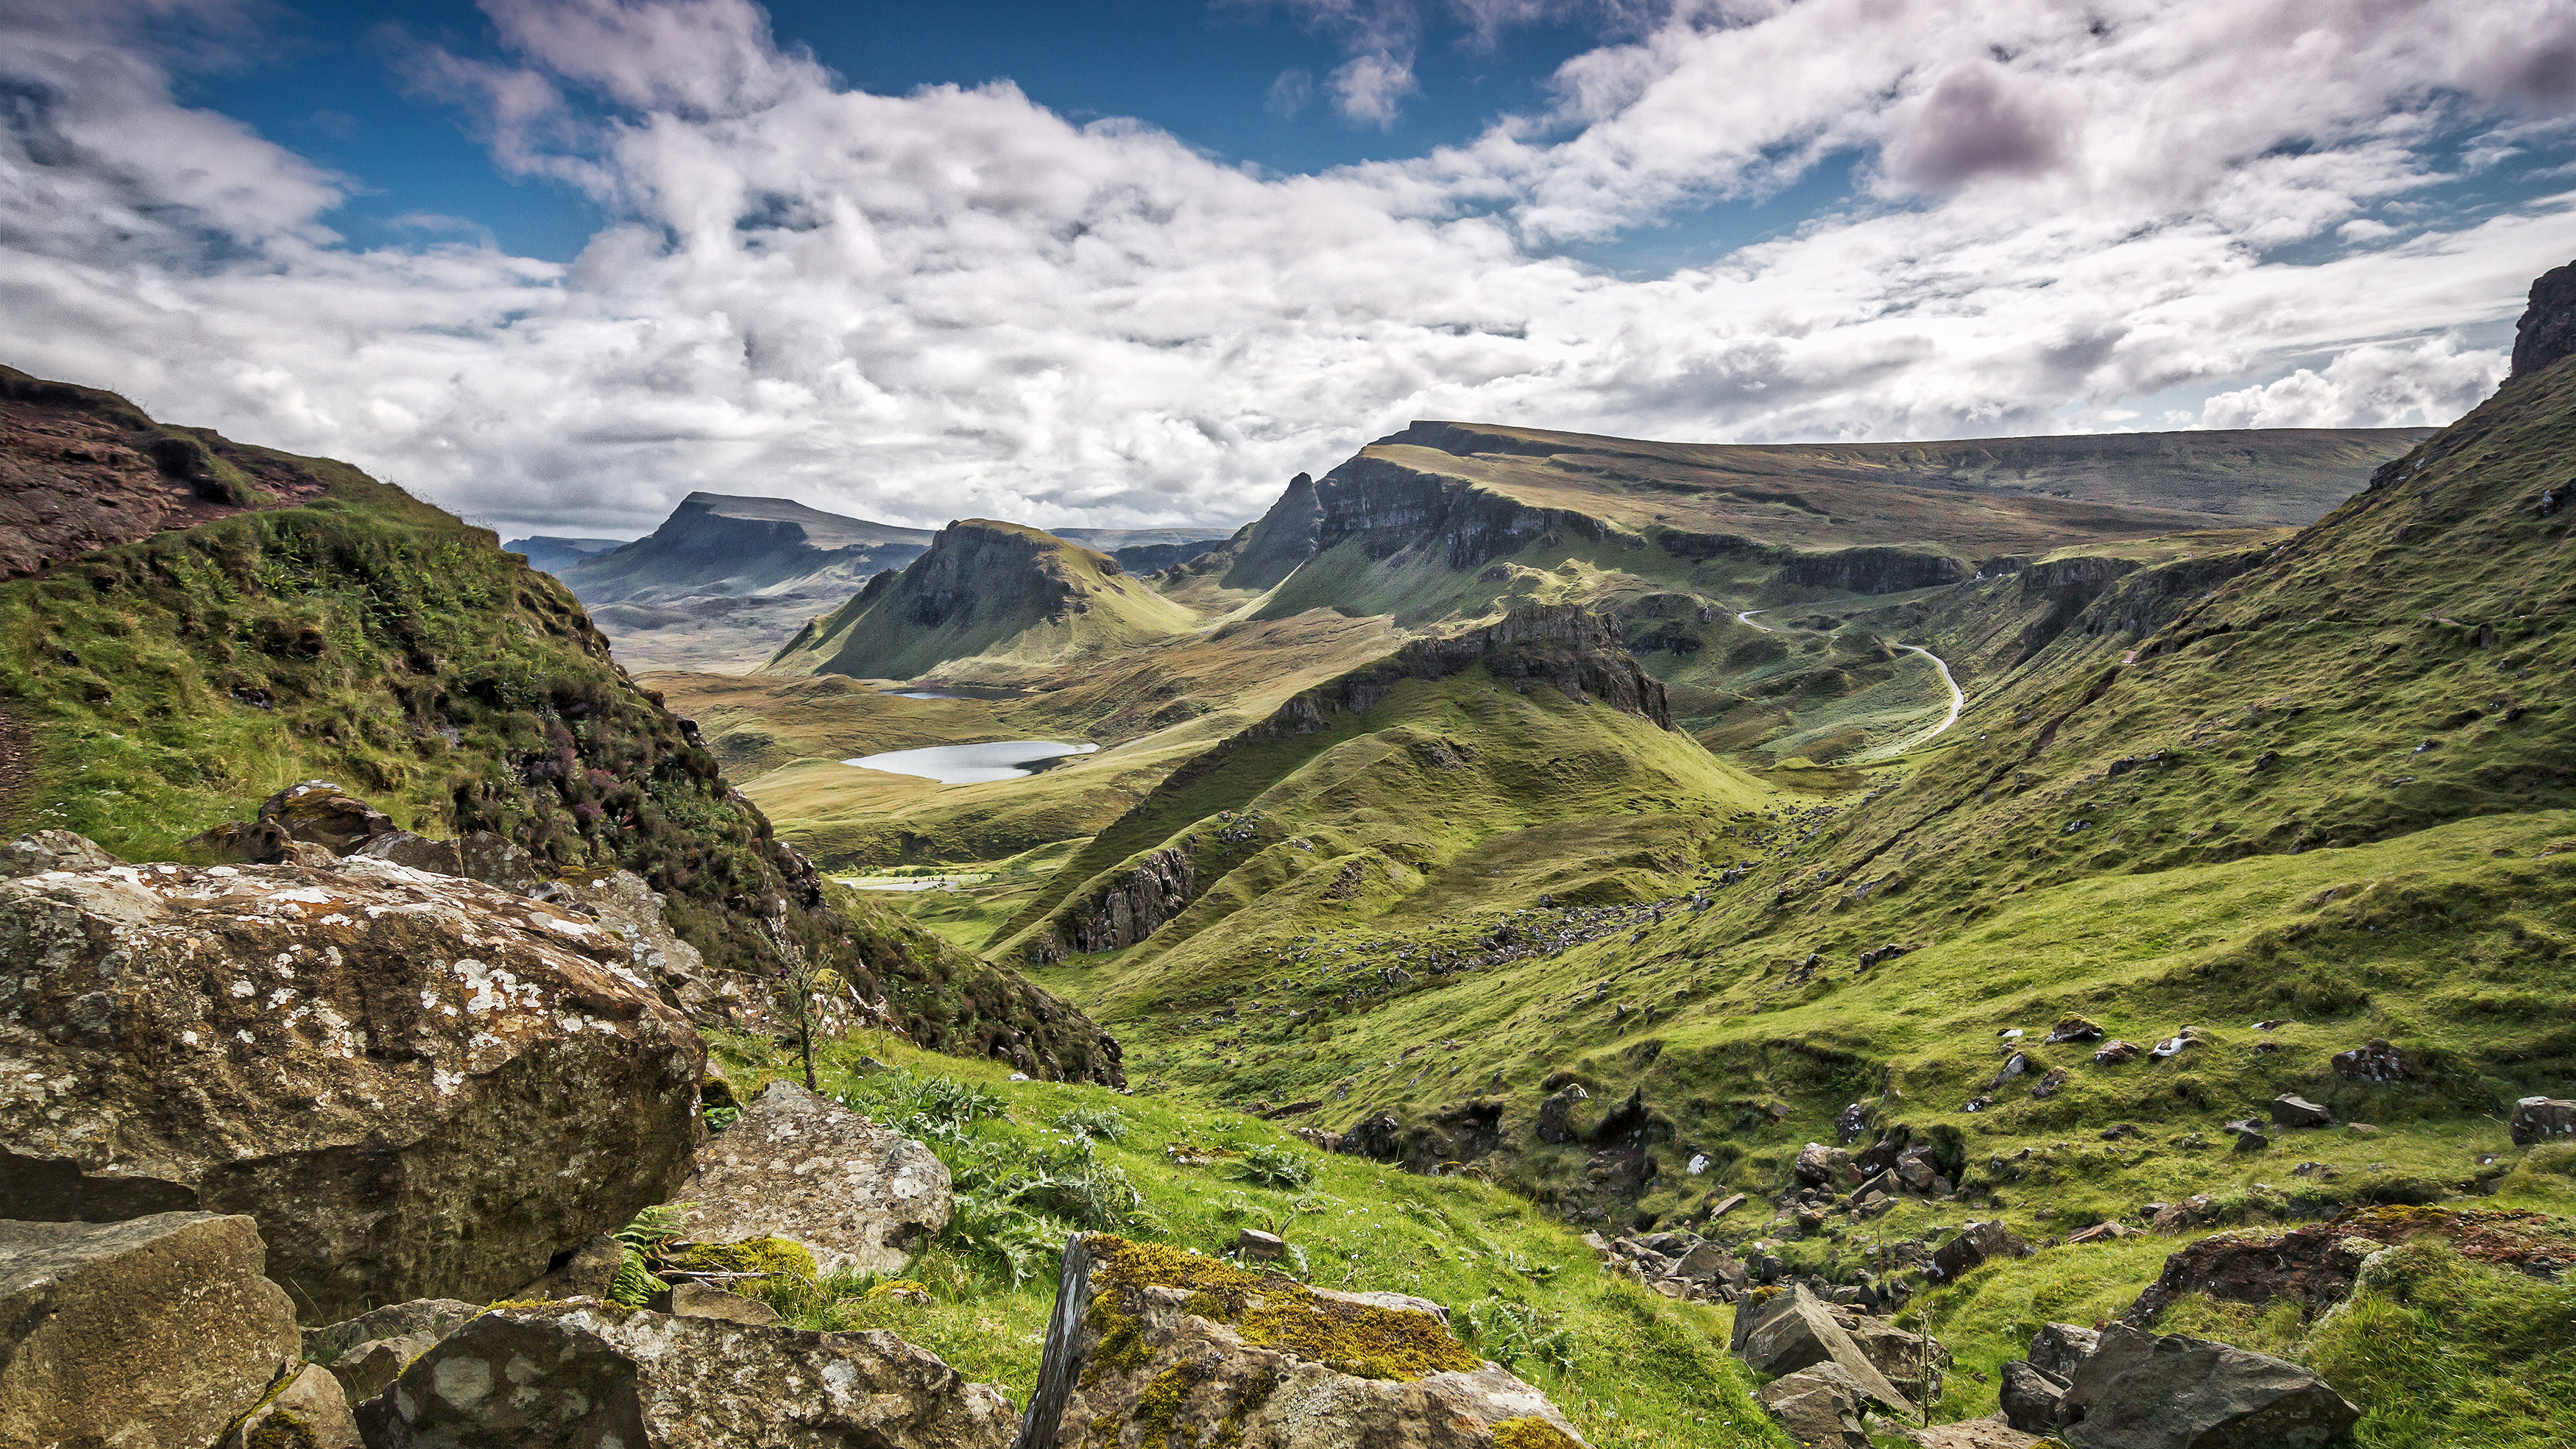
(2292, 1110)
(1556, 1114)
(1818, 1407)
(2542, 1119)
(2102, 1232)
(799, 1167)
(1709, 1263)
(1852, 1124)
(419, 1086)
(1976, 1243)
(2013, 1066)
(2074, 1028)
(2250, 1136)
(2181, 1216)
(310, 1412)
(1977, 1104)
(587, 1374)
(1255, 1246)
(40, 851)
(2378, 1062)
(2029, 1397)
(2139, 1391)
(2118, 1131)
(2115, 1051)
(1793, 1329)
(698, 1300)
(2173, 1046)
(2049, 1085)
(1987, 1433)
(150, 1334)
(1822, 1166)
(2059, 1349)
(1727, 1205)
(318, 812)
(1151, 1344)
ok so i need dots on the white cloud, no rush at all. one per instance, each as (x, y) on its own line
(955, 302)
(1371, 88)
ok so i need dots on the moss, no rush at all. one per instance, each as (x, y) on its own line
(771, 1257)
(1532, 1433)
(1158, 1409)
(1122, 1338)
(1276, 1311)
(283, 1429)
(1229, 1432)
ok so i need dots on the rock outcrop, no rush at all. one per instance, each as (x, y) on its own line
(586, 1375)
(2547, 331)
(1136, 904)
(799, 1167)
(40, 851)
(2542, 1119)
(2142, 1391)
(1563, 645)
(150, 1334)
(1175, 1344)
(418, 1085)
(1793, 1329)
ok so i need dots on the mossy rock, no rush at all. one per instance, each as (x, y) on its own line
(769, 1257)
(1272, 1310)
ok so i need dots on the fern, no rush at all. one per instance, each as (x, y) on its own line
(643, 1239)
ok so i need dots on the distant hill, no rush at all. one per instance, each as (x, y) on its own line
(1010, 593)
(553, 555)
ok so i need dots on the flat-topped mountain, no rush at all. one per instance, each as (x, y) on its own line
(1001, 590)
(554, 554)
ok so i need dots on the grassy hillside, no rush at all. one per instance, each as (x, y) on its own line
(171, 683)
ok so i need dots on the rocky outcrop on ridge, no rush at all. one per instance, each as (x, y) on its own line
(1151, 1343)
(1563, 645)
(2547, 331)
(1136, 904)
(149, 1334)
(418, 1085)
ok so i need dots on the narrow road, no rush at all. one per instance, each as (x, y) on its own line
(1747, 618)
(1958, 696)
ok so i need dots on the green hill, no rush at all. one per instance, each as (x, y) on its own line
(987, 600)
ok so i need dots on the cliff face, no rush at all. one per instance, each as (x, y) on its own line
(716, 544)
(1388, 507)
(2547, 331)
(1269, 550)
(1562, 645)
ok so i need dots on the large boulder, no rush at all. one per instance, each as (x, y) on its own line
(799, 1167)
(1976, 1243)
(39, 851)
(1150, 1345)
(367, 1352)
(318, 812)
(143, 1334)
(2029, 1397)
(1818, 1407)
(2542, 1119)
(624, 903)
(1793, 1329)
(583, 1375)
(2059, 1349)
(418, 1085)
(2144, 1391)
(308, 1411)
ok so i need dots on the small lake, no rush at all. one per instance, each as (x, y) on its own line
(973, 764)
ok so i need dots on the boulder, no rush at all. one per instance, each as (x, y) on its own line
(1822, 1166)
(2182, 1216)
(438, 857)
(308, 1411)
(2542, 1119)
(1817, 1407)
(590, 1272)
(150, 1334)
(1987, 1433)
(2144, 1391)
(2059, 1349)
(622, 902)
(2377, 1061)
(1252, 1245)
(2049, 1084)
(1152, 1345)
(318, 812)
(42, 850)
(2292, 1110)
(368, 1352)
(1792, 1329)
(259, 842)
(799, 1167)
(366, 1370)
(2314, 1266)
(1556, 1114)
(2029, 1397)
(2071, 1027)
(1975, 1244)
(697, 1300)
(1908, 1361)
(418, 1085)
(496, 861)
(2115, 1051)
(2250, 1136)
(562, 1375)
(1709, 1263)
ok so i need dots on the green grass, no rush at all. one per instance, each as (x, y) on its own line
(1632, 1369)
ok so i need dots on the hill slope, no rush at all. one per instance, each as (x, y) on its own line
(987, 600)
(171, 682)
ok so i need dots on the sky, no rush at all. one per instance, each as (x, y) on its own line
(554, 264)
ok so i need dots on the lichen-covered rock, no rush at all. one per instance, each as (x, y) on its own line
(812, 1171)
(697, 1300)
(418, 1086)
(2143, 1391)
(434, 1318)
(1818, 1407)
(622, 902)
(591, 1272)
(308, 1411)
(149, 1334)
(39, 851)
(1149, 1342)
(318, 812)
(2542, 1119)
(585, 1375)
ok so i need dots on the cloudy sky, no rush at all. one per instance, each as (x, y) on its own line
(556, 263)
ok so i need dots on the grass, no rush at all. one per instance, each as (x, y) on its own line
(1628, 1367)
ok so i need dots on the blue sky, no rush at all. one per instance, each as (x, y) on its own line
(555, 263)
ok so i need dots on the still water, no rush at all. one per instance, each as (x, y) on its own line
(972, 764)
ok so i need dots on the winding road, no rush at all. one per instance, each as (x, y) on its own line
(1958, 696)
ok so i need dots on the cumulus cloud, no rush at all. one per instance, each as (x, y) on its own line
(955, 302)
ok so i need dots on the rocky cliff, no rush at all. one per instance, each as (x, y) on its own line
(2547, 331)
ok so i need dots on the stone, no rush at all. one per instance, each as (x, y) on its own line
(799, 1167)
(1975, 1243)
(590, 1272)
(1556, 1114)
(2115, 1051)
(1728, 1204)
(2250, 1136)
(1907, 1360)
(433, 1318)
(622, 902)
(2029, 1397)
(39, 851)
(367, 1369)
(2314, 1266)
(2542, 1119)
(419, 1086)
(1793, 1329)
(2102, 1232)
(1852, 1124)
(309, 1412)
(1916, 1168)
(2183, 1215)
(155, 1333)
(2142, 1391)
(1151, 1345)
(2074, 1028)
(697, 1300)
(2377, 1062)
(497, 861)
(2014, 1066)
(2050, 1084)
(2059, 1349)
(1986, 1433)
(438, 857)
(1252, 1245)
(1817, 1407)
(562, 1375)
(2291, 1110)
(318, 812)
(1822, 1166)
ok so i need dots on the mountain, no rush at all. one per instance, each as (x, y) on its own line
(1147, 550)
(323, 625)
(987, 600)
(554, 555)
